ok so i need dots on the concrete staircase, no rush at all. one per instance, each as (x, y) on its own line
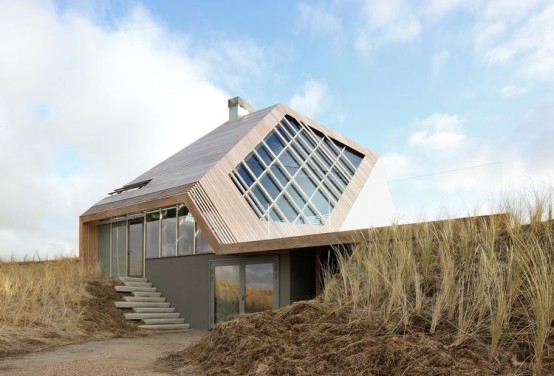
(148, 305)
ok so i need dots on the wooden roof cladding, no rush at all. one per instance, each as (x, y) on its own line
(177, 174)
(229, 218)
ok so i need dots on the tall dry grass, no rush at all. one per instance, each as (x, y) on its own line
(41, 303)
(486, 279)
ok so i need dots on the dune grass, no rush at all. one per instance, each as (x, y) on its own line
(55, 302)
(480, 279)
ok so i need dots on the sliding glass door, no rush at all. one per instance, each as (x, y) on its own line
(243, 286)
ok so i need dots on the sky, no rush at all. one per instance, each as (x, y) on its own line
(456, 96)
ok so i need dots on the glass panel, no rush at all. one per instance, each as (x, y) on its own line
(119, 249)
(347, 165)
(104, 247)
(259, 287)
(153, 234)
(286, 208)
(329, 189)
(292, 126)
(275, 144)
(327, 162)
(331, 146)
(279, 174)
(289, 162)
(262, 198)
(305, 183)
(226, 292)
(254, 204)
(315, 172)
(283, 133)
(264, 153)
(202, 245)
(340, 176)
(307, 139)
(311, 216)
(296, 196)
(275, 216)
(245, 175)
(255, 165)
(169, 232)
(321, 203)
(270, 186)
(354, 157)
(135, 247)
(185, 244)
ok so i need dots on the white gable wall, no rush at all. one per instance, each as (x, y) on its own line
(374, 206)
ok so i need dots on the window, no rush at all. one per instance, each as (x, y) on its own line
(169, 232)
(153, 234)
(296, 174)
(202, 245)
(185, 241)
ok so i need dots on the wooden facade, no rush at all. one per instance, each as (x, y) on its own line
(199, 177)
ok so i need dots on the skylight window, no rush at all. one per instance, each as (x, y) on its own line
(296, 174)
(130, 187)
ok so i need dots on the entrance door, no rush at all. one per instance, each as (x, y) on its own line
(136, 247)
(243, 286)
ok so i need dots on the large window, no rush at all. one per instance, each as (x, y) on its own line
(169, 232)
(185, 242)
(174, 232)
(153, 234)
(296, 174)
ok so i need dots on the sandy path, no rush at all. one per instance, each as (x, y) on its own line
(124, 356)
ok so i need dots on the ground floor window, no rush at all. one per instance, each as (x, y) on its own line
(125, 242)
(243, 286)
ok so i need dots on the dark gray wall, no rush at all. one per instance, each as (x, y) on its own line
(284, 279)
(302, 274)
(185, 282)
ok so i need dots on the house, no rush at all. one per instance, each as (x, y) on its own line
(242, 219)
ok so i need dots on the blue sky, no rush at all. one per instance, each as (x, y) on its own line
(455, 96)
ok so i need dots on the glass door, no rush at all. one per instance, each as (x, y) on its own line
(226, 289)
(243, 286)
(258, 285)
(136, 247)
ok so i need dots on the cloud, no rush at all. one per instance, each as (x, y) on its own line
(317, 19)
(86, 107)
(440, 163)
(313, 98)
(387, 21)
(518, 32)
(438, 132)
(512, 91)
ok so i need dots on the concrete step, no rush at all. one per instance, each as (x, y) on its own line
(141, 304)
(157, 321)
(165, 327)
(153, 310)
(142, 316)
(132, 279)
(144, 299)
(134, 289)
(138, 284)
(154, 294)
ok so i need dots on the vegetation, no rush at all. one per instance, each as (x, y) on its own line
(48, 303)
(469, 296)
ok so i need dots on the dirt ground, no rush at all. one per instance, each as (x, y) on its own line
(123, 356)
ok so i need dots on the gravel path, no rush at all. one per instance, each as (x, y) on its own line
(123, 356)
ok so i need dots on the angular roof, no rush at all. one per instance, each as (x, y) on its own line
(179, 172)
(201, 177)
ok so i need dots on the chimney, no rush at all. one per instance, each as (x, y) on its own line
(238, 107)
